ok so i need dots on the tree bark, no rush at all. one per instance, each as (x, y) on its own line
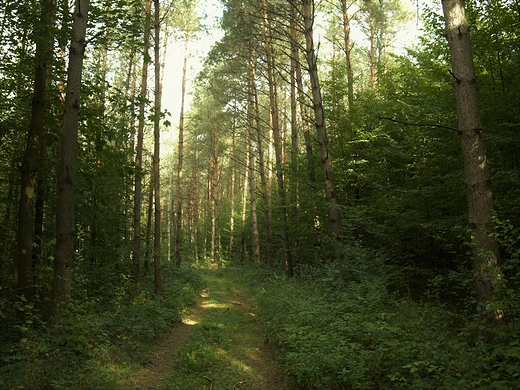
(139, 147)
(347, 48)
(275, 125)
(215, 198)
(31, 160)
(64, 258)
(321, 128)
(255, 239)
(156, 156)
(267, 209)
(232, 191)
(486, 253)
(178, 199)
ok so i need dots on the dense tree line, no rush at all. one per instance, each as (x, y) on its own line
(302, 144)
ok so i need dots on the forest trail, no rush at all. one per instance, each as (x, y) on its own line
(219, 346)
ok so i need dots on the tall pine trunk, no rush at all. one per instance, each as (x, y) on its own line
(486, 253)
(347, 48)
(64, 257)
(156, 157)
(139, 147)
(261, 169)
(321, 128)
(255, 238)
(275, 125)
(178, 199)
(31, 160)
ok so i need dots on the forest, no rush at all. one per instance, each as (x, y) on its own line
(365, 194)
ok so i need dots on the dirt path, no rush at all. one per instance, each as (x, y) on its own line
(219, 346)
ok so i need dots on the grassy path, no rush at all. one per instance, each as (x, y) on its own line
(219, 346)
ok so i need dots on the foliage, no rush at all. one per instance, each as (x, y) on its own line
(98, 342)
(219, 348)
(338, 327)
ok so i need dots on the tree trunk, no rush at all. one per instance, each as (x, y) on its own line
(139, 148)
(261, 168)
(347, 48)
(321, 129)
(243, 244)
(65, 231)
(149, 215)
(372, 55)
(476, 170)
(255, 239)
(178, 199)
(30, 163)
(215, 198)
(275, 125)
(156, 159)
(294, 117)
(232, 191)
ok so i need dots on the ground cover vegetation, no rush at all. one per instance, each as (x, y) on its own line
(380, 183)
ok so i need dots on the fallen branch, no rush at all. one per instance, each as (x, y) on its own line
(210, 382)
(419, 124)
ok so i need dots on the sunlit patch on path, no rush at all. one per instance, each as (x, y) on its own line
(219, 345)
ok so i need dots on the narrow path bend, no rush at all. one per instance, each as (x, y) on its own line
(219, 346)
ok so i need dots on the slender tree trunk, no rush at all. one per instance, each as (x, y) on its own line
(303, 109)
(215, 199)
(139, 148)
(347, 48)
(149, 215)
(208, 214)
(243, 244)
(321, 129)
(64, 258)
(30, 163)
(178, 199)
(476, 170)
(294, 116)
(372, 55)
(195, 230)
(275, 124)
(232, 191)
(156, 159)
(261, 168)
(255, 239)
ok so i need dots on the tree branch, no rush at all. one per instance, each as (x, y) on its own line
(419, 124)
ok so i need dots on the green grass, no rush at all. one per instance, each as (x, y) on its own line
(223, 344)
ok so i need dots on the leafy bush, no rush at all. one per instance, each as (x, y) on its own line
(97, 342)
(337, 327)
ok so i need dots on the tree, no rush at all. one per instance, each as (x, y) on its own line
(139, 146)
(321, 128)
(64, 258)
(156, 153)
(275, 126)
(35, 143)
(486, 252)
(189, 25)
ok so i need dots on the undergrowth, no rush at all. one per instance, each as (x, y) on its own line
(100, 340)
(219, 352)
(338, 327)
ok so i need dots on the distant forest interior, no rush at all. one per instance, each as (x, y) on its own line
(354, 165)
